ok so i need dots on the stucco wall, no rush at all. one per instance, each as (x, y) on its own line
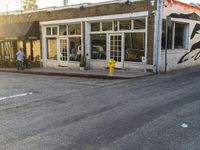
(181, 58)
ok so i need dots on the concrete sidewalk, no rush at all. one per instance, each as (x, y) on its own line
(97, 74)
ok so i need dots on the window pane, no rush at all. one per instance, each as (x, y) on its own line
(55, 31)
(134, 46)
(98, 46)
(115, 26)
(48, 31)
(36, 52)
(28, 50)
(51, 49)
(74, 29)
(62, 30)
(169, 36)
(78, 29)
(106, 26)
(8, 53)
(74, 48)
(95, 26)
(139, 24)
(163, 33)
(125, 25)
(179, 35)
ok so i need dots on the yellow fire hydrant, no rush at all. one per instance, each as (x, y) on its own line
(111, 66)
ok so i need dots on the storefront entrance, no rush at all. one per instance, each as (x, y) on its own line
(116, 49)
(20, 35)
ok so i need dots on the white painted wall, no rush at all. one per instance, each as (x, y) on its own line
(174, 55)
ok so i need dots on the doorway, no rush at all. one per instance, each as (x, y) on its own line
(116, 49)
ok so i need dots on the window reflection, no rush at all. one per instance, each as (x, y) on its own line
(62, 30)
(125, 25)
(95, 26)
(55, 31)
(74, 29)
(51, 49)
(48, 31)
(75, 48)
(106, 26)
(139, 24)
(134, 46)
(98, 46)
(179, 35)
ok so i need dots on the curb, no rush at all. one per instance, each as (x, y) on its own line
(91, 76)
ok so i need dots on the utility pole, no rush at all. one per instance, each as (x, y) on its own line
(158, 35)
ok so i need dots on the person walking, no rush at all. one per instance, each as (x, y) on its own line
(20, 57)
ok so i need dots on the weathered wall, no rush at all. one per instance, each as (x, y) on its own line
(98, 10)
(181, 58)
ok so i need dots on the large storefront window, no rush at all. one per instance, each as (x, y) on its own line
(75, 48)
(176, 37)
(98, 46)
(51, 49)
(134, 46)
(67, 44)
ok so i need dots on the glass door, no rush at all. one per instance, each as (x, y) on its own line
(63, 51)
(115, 49)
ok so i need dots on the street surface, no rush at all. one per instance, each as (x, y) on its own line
(160, 112)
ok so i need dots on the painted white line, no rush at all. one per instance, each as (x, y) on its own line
(14, 96)
(184, 125)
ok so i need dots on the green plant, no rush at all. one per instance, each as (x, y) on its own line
(83, 61)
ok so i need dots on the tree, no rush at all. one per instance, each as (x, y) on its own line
(29, 4)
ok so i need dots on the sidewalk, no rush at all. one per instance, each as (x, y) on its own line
(96, 74)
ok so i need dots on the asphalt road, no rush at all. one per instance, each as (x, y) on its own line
(159, 112)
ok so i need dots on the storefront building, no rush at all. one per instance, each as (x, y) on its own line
(120, 30)
(120, 37)
(130, 32)
(113, 30)
(19, 35)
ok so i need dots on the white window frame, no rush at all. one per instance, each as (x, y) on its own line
(186, 33)
(87, 20)
(118, 32)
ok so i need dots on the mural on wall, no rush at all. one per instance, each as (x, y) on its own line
(195, 48)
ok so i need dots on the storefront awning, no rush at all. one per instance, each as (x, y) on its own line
(20, 31)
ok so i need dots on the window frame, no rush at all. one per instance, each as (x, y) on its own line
(132, 30)
(185, 34)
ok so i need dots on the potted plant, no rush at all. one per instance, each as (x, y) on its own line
(82, 63)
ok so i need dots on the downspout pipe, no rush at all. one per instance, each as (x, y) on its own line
(158, 35)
